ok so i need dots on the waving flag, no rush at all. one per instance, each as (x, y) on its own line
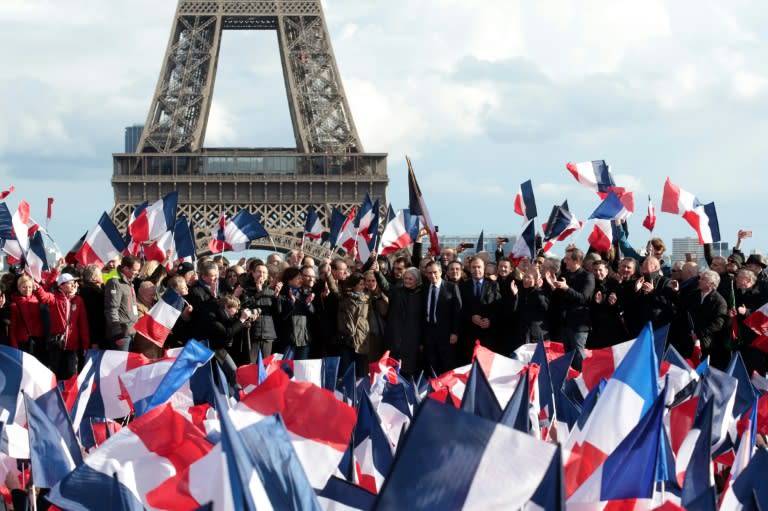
(236, 234)
(103, 244)
(595, 175)
(650, 218)
(133, 462)
(694, 461)
(313, 227)
(703, 219)
(156, 325)
(5, 193)
(35, 260)
(479, 398)
(560, 225)
(677, 201)
(613, 208)
(372, 450)
(342, 227)
(628, 395)
(150, 222)
(319, 425)
(525, 245)
(418, 208)
(602, 235)
(425, 474)
(401, 231)
(525, 203)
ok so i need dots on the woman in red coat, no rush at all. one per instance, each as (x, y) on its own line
(26, 330)
(69, 337)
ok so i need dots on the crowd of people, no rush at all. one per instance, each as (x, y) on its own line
(427, 311)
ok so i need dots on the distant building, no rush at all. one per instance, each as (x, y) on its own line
(683, 246)
(132, 137)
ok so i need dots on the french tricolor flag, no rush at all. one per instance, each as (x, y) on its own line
(601, 238)
(525, 203)
(614, 208)
(237, 233)
(561, 224)
(150, 222)
(313, 227)
(704, 221)
(595, 175)
(525, 245)
(400, 232)
(102, 244)
(156, 325)
(36, 260)
(758, 320)
(677, 201)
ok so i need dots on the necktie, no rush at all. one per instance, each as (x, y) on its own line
(478, 287)
(433, 305)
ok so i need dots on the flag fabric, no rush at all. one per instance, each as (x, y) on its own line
(525, 244)
(372, 451)
(71, 256)
(525, 203)
(628, 395)
(677, 201)
(21, 225)
(480, 245)
(184, 241)
(133, 462)
(758, 320)
(426, 476)
(595, 175)
(749, 491)
(346, 229)
(103, 244)
(560, 225)
(319, 425)
(401, 231)
(35, 260)
(601, 238)
(341, 495)
(478, 397)
(703, 219)
(52, 456)
(156, 324)
(650, 218)
(612, 208)
(337, 223)
(49, 211)
(238, 232)
(313, 227)
(191, 357)
(694, 461)
(5, 193)
(418, 207)
(516, 412)
(629, 472)
(151, 222)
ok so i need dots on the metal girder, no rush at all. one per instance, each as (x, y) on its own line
(320, 114)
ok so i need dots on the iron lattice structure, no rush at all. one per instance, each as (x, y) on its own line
(327, 168)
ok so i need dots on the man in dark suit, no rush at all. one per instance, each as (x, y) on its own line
(702, 316)
(442, 320)
(480, 299)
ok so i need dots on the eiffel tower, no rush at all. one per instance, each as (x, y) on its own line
(327, 168)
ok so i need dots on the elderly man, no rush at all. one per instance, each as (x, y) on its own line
(481, 301)
(702, 317)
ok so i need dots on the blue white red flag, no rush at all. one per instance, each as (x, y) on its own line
(677, 201)
(156, 324)
(418, 207)
(525, 244)
(601, 238)
(372, 450)
(103, 244)
(479, 398)
(595, 175)
(150, 222)
(516, 413)
(425, 474)
(132, 463)
(320, 426)
(650, 218)
(560, 225)
(613, 207)
(698, 478)
(525, 203)
(36, 259)
(313, 227)
(401, 231)
(703, 219)
(236, 234)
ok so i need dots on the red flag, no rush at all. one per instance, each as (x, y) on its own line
(650, 219)
(50, 208)
(6, 193)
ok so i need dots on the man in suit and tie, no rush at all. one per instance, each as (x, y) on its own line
(443, 320)
(480, 299)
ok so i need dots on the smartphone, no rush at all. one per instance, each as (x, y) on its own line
(747, 234)
(467, 245)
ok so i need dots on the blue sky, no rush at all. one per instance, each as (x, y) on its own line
(481, 96)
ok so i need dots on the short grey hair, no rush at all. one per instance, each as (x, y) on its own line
(416, 274)
(710, 276)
